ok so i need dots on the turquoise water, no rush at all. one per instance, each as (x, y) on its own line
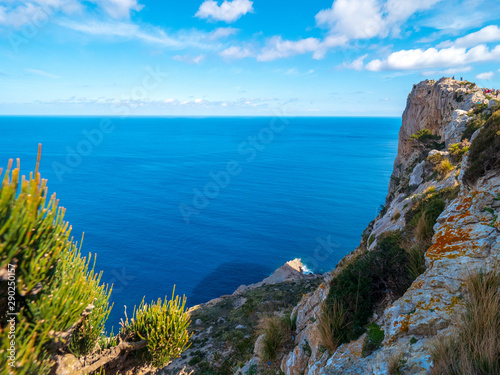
(208, 204)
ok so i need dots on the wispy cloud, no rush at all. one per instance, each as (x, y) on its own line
(356, 64)
(42, 73)
(485, 75)
(277, 48)
(131, 31)
(188, 59)
(236, 52)
(228, 11)
(119, 8)
(448, 72)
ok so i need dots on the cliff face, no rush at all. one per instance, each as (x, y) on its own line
(466, 238)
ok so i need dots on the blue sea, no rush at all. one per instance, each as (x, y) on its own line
(208, 204)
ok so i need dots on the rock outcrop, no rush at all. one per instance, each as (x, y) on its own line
(466, 239)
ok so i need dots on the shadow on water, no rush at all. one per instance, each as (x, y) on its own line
(225, 279)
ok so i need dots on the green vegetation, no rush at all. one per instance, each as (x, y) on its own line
(457, 150)
(369, 279)
(236, 345)
(475, 346)
(426, 140)
(360, 286)
(164, 325)
(60, 301)
(484, 153)
(424, 135)
(374, 339)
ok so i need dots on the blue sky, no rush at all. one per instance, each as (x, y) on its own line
(240, 57)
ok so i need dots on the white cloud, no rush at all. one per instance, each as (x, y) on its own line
(485, 75)
(127, 30)
(222, 32)
(487, 34)
(448, 72)
(188, 59)
(278, 48)
(235, 52)
(18, 13)
(417, 59)
(120, 8)
(42, 73)
(366, 19)
(356, 64)
(123, 30)
(228, 11)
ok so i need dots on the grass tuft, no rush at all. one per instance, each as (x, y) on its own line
(475, 347)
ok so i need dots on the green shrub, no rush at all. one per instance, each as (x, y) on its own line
(431, 206)
(374, 339)
(457, 150)
(364, 283)
(60, 301)
(164, 325)
(484, 153)
(55, 287)
(425, 135)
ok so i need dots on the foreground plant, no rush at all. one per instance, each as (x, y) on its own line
(53, 303)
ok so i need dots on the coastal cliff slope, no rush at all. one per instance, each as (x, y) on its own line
(466, 239)
(438, 227)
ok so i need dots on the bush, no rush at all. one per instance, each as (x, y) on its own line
(457, 150)
(61, 304)
(364, 283)
(444, 167)
(484, 153)
(56, 292)
(426, 140)
(475, 346)
(164, 326)
(425, 135)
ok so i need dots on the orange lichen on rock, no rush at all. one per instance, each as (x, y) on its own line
(464, 204)
(448, 242)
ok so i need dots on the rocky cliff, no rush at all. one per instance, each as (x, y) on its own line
(466, 238)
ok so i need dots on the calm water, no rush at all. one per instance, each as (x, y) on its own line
(157, 203)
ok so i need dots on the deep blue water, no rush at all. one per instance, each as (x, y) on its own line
(299, 187)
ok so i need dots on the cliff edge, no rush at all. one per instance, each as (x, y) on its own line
(440, 122)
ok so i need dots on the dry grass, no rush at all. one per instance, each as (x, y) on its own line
(396, 363)
(275, 335)
(474, 349)
(396, 215)
(444, 167)
(424, 231)
(331, 326)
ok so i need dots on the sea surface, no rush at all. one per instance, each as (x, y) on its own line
(208, 204)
